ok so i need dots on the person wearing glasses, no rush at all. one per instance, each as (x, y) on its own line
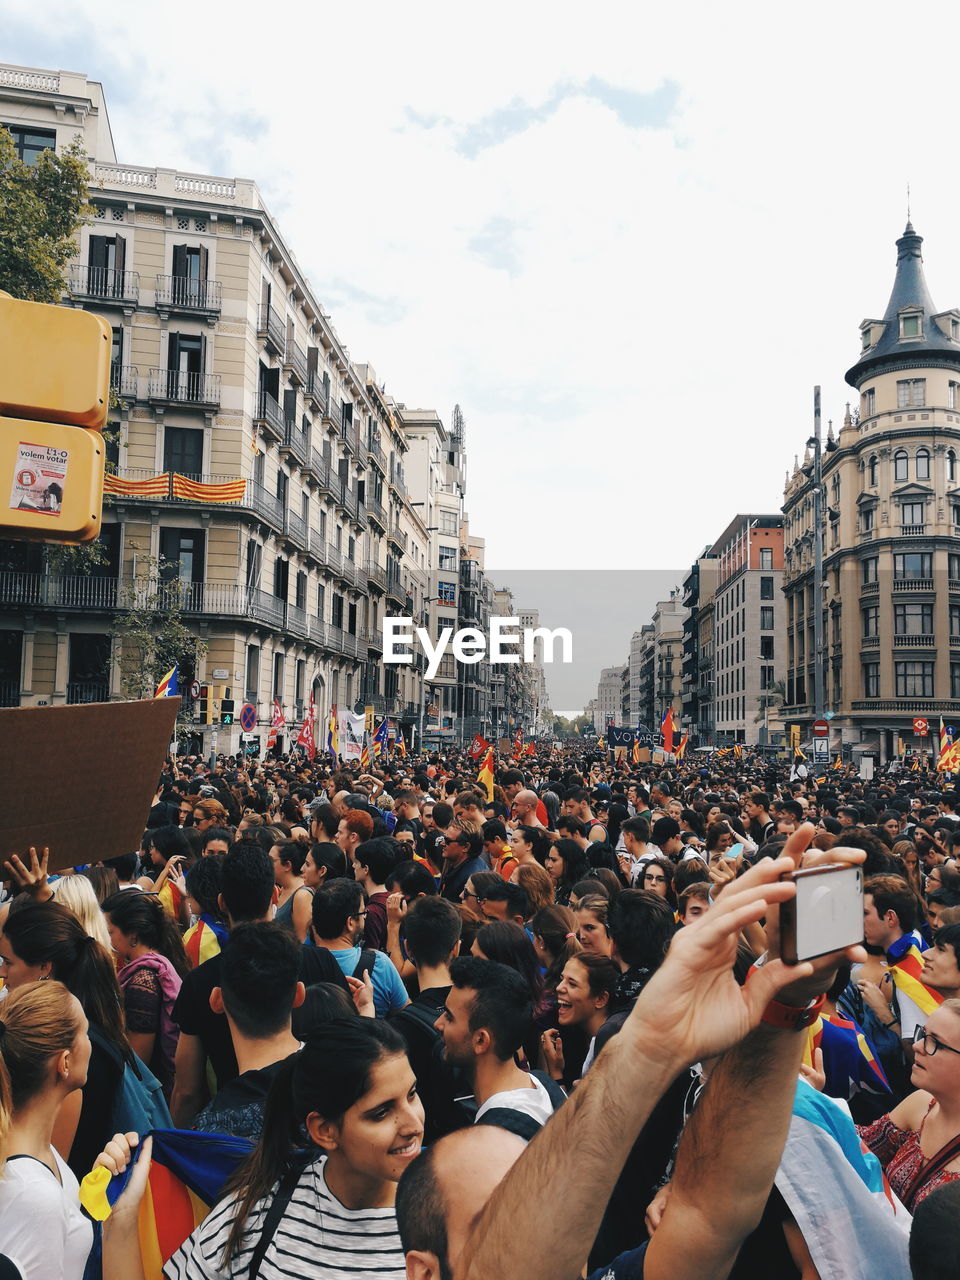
(462, 856)
(918, 1143)
(338, 916)
(657, 877)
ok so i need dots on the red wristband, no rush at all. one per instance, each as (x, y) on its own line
(787, 1017)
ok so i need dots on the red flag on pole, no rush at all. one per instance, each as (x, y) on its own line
(307, 738)
(667, 729)
(276, 724)
(518, 742)
(530, 749)
(478, 747)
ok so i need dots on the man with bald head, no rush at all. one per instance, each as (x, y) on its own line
(525, 809)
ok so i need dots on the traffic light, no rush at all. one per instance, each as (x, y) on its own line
(54, 395)
(226, 711)
(206, 704)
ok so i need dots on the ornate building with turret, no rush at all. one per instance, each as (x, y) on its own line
(891, 534)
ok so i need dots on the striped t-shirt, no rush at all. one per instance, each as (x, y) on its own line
(316, 1239)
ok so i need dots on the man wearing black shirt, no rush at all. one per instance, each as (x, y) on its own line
(463, 850)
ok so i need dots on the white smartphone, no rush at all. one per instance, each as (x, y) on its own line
(826, 914)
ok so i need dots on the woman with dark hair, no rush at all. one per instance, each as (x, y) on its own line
(584, 998)
(44, 940)
(153, 964)
(554, 940)
(507, 943)
(323, 862)
(657, 877)
(352, 1090)
(295, 906)
(692, 822)
(566, 863)
(105, 881)
(617, 814)
(529, 844)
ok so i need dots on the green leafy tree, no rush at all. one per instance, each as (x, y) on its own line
(152, 634)
(42, 207)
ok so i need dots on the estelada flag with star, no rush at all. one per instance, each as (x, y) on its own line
(276, 724)
(168, 686)
(478, 746)
(380, 740)
(307, 738)
(635, 754)
(905, 964)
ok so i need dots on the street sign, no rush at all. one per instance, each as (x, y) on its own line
(195, 687)
(251, 744)
(920, 727)
(821, 750)
(248, 717)
(821, 728)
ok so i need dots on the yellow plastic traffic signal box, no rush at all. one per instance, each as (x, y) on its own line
(54, 396)
(54, 364)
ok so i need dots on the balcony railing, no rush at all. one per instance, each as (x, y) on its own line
(912, 530)
(9, 693)
(374, 638)
(377, 575)
(913, 584)
(907, 706)
(295, 527)
(105, 284)
(317, 390)
(376, 453)
(297, 441)
(869, 588)
(269, 414)
(375, 511)
(271, 328)
(295, 359)
(184, 388)
(123, 380)
(39, 589)
(88, 691)
(334, 558)
(296, 620)
(183, 293)
(914, 642)
(870, 642)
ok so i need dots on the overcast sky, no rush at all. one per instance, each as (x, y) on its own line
(627, 239)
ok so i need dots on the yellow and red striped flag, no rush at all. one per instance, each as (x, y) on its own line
(485, 776)
(151, 487)
(203, 491)
(905, 963)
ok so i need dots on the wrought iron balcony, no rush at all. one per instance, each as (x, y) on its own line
(269, 415)
(318, 390)
(105, 284)
(295, 360)
(296, 441)
(9, 693)
(88, 691)
(295, 527)
(376, 453)
(174, 387)
(376, 575)
(375, 511)
(184, 293)
(271, 328)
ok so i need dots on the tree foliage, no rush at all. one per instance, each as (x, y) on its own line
(42, 207)
(151, 633)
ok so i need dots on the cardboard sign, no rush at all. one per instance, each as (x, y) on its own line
(80, 780)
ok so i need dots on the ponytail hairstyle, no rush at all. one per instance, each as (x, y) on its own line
(49, 933)
(37, 1020)
(143, 914)
(556, 927)
(329, 1075)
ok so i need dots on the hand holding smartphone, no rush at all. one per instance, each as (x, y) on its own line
(825, 916)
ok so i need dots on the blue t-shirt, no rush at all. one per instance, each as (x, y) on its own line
(625, 1266)
(389, 993)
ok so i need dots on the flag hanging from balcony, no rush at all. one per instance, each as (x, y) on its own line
(477, 747)
(168, 686)
(667, 728)
(198, 491)
(276, 724)
(152, 487)
(306, 737)
(380, 740)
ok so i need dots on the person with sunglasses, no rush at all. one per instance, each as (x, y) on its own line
(462, 856)
(918, 1143)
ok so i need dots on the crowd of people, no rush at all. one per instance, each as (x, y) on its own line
(543, 1032)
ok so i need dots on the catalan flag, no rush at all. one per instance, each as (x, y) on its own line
(838, 763)
(187, 1176)
(151, 487)
(365, 755)
(682, 749)
(905, 963)
(401, 745)
(738, 750)
(333, 738)
(849, 1061)
(171, 899)
(797, 753)
(486, 773)
(380, 740)
(948, 760)
(635, 753)
(169, 685)
(198, 491)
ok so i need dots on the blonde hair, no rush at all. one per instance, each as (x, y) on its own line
(37, 1021)
(79, 896)
(532, 877)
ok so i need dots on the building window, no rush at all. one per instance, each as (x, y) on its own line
(183, 451)
(911, 393)
(872, 472)
(901, 465)
(448, 558)
(953, 566)
(955, 619)
(913, 619)
(913, 679)
(911, 514)
(866, 519)
(766, 588)
(181, 555)
(952, 390)
(871, 621)
(253, 673)
(865, 336)
(766, 618)
(448, 522)
(923, 464)
(955, 508)
(30, 142)
(278, 677)
(910, 327)
(766, 557)
(766, 647)
(869, 569)
(446, 593)
(951, 464)
(869, 403)
(912, 565)
(871, 679)
(955, 681)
